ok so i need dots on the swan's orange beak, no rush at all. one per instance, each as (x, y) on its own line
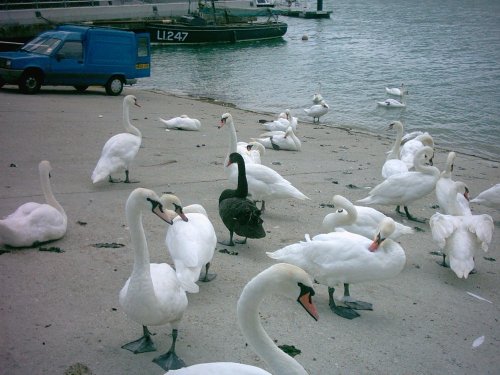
(158, 211)
(466, 194)
(222, 123)
(178, 211)
(375, 244)
(306, 301)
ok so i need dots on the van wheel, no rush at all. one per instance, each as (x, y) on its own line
(2, 83)
(81, 88)
(30, 82)
(114, 86)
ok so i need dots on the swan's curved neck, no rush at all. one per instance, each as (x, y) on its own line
(448, 167)
(129, 128)
(233, 141)
(420, 166)
(47, 192)
(352, 214)
(138, 238)
(394, 153)
(248, 318)
(242, 188)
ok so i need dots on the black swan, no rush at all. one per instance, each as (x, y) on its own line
(239, 214)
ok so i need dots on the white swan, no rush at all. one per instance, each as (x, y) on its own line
(317, 97)
(393, 165)
(405, 188)
(183, 122)
(279, 140)
(293, 121)
(253, 151)
(358, 219)
(459, 205)
(345, 258)
(392, 103)
(410, 146)
(34, 223)
(283, 279)
(153, 295)
(285, 119)
(398, 91)
(191, 242)
(461, 237)
(264, 183)
(317, 110)
(489, 197)
(120, 149)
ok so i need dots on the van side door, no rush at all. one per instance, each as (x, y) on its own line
(67, 64)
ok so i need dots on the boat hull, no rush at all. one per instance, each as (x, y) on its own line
(189, 34)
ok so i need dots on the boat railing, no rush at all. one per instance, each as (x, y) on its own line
(44, 4)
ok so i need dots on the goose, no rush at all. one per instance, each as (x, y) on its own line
(398, 91)
(252, 151)
(183, 122)
(278, 140)
(317, 110)
(410, 147)
(282, 279)
(460, 204)
(358, 219)
(239, 214)
(119, 151)
(191, 242)
(34, 223)
(405, 188)
(461, 237)
(393, 165)
(264, 183)
(489, 197)
(346, 258)
(153, 295)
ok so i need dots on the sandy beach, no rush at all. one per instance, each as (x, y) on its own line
(59, 309)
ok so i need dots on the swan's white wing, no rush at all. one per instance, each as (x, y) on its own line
(482, 226)
(442, 227)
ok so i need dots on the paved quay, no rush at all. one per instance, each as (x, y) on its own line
(59, 309)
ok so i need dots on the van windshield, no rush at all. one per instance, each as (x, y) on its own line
(42, 45)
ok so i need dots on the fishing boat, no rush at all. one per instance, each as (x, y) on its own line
(217, 25)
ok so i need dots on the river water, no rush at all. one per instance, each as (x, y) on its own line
(447, 53)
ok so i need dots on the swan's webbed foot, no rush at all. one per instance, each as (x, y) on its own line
(143, 345)
(230, 242)
(359, 305)
(170, 360)
(352, 303)
(343, 311)
(241, 242)
(206, 277)
(113, 181)
(442, 263)
(127, 181)
(413, 218)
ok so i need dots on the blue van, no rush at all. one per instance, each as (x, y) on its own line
(78, 56)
